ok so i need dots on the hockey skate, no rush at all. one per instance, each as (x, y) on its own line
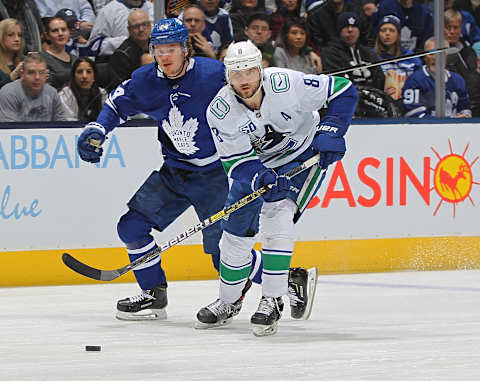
(219, 313)
(264, 321)
(302, 285)
(149, 305)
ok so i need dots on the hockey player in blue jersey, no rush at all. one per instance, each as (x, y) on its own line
(418, 92)
(265, 122)
(176, 91)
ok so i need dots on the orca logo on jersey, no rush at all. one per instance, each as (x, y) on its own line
(279, 82)
(219, 108)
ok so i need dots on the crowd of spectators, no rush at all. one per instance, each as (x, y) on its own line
(59, 58)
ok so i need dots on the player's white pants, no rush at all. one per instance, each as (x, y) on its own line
(235, 263)
(276, 227)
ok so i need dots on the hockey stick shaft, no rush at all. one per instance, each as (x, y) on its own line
(108, 275)
(451, 50)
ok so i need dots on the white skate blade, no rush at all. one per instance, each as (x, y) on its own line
(264, 330)
(311, 287)
(148, 314)
(221, 323)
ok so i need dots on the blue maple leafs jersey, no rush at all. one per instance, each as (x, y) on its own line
(179, 107)
(419, 95)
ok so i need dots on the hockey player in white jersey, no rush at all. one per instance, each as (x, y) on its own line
(176, 91)
(265, 122)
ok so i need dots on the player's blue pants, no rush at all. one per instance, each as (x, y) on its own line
(164, 196)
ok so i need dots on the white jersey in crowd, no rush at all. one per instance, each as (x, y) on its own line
(282, 128)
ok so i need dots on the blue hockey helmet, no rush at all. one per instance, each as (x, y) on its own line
(168, 31)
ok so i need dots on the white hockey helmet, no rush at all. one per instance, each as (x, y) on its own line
(243, 55)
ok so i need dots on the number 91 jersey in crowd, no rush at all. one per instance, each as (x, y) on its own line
(282, 128)
(178, 105)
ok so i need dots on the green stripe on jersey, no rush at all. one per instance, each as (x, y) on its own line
(231, 275)
(339, 83)
(228, 164)
(273, 262)
(308, 193)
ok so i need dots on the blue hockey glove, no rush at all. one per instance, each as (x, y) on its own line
(329, 141)
(280, 185)
(89, 142)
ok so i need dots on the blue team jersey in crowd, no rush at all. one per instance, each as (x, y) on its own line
(179, 106)
(218, 30)
(419, 94)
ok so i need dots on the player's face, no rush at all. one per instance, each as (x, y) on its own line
(297, 37)
(84, 75)
(453, 31)
(170, 58)
(388, 34)
(245, 82)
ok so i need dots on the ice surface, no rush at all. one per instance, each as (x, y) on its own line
(389, 326)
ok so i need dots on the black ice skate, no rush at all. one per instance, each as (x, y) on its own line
(149, 305)
(219, 313)
(302, 284)
(264, 321)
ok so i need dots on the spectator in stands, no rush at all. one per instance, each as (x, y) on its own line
(388, 45)
(218, 26)
(365, 9)
(194, 20)
(419, 91)
(416, 20)
(77, 46)
(465, 61)
(26, 12)
(239, 14)
(347, 51)
(11, 50)
(111, 25)
(285, 9)
(476, 48)
(291, 51)
(472, 7)
(59, 62)
(470, 32)
(258, 30)
(128, 56)
(99, 4)
(82, 8)
(82, 97)
(322, 23)
(30, 98)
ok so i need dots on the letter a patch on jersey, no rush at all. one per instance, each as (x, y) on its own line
(219, 108)
(280, 82)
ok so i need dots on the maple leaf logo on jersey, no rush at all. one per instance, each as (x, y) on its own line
(179, 133)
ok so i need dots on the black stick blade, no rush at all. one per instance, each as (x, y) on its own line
(81, 268)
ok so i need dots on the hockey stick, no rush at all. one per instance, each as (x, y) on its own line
(451, 50)
(108, 275)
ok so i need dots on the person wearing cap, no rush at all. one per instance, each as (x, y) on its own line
(416, 20)
(82, 8)
(322, 23)
(388, 45)
(464, 62)
(346, 51)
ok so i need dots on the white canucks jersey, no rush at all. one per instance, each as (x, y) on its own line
(281, 129)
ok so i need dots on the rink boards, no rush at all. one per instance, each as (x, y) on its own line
(405, 197)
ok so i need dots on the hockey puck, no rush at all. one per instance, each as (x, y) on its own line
(93, 348)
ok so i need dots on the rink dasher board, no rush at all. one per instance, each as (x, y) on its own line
(388, 205)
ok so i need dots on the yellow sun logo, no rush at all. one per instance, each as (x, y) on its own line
(453, 178)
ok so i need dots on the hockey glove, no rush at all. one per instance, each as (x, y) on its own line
(280, 185)
(329, 141)
(89, 142)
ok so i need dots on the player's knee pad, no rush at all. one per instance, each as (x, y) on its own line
(235, 250)
(132, 227)
(276, 223)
